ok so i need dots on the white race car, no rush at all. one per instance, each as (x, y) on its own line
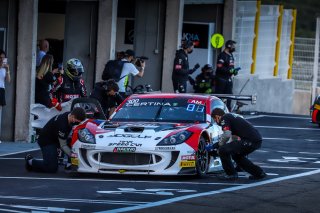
(154, 134)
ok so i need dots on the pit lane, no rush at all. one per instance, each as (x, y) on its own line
(290, 152)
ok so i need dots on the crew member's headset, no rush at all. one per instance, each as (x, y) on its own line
(229, 43)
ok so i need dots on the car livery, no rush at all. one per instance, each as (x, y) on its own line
(153, 134)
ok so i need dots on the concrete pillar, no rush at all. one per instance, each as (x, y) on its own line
(26, 63)
(172, 40)
(229, 12)
(106, 38)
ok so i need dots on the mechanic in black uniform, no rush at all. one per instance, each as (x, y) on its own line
(204, 82)
(70, 85)
(52, 136)
(244, 140)
(181, 69)
(225, 70)
(106, 92)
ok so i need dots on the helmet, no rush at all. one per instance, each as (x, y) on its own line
(230, 43)
(74, 69)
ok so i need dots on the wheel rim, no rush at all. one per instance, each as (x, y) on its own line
(202, 157)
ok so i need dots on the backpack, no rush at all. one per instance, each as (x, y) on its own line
(113, 70)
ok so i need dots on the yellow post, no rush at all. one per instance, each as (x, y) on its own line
(293, 32)
(255, 40)
(277, 51)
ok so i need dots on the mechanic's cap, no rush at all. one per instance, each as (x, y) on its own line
(130, 52)
(187, 44)
(207, 67)
(229, 43)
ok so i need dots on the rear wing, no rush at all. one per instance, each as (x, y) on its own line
(252, 98)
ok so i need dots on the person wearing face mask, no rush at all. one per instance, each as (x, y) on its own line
(226, 70)
(106, 92)
(204, 82)
(181, 69)
(239, 139)
(53, 136)
(129, 68)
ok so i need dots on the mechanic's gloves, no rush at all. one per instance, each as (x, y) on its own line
(196, 66)
(234, 71)
(56, 104)
(212, 146)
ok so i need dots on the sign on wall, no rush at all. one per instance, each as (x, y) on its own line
(199, 33)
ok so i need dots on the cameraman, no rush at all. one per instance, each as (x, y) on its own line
(181, 69)
(129, 68)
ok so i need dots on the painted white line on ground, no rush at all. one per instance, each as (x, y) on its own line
(288, 128)
(231, 189)
(123, 181)
(89, 201)
(13, 153)
(254, 116)
(283, 139)
(288, 167)
(284, 116)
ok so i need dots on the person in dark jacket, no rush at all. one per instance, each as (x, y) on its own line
(225, 70)
(106, 92)
(70, 84)
(204, 82)
(239, 139)
(181, 69)
(52, 136)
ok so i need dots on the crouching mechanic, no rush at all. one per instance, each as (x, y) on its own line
(52, 136)
(106, 92)
(244, 140)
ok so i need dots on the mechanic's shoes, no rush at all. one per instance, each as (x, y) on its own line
(259, 177)
(228, 177)
(27, 158)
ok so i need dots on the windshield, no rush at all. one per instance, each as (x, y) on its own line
(162, 110)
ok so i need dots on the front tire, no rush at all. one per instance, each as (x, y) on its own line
(202, 158)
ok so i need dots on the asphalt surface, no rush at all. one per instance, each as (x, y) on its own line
(290, 155)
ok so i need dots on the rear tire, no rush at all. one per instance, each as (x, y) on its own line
(202, 159)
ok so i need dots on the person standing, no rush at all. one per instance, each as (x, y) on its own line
(70, 84)
(225, 70)
(44, 81)
(43, 49)
(52, 136)
(4, 77)
(239, 139)
(181, 69)
(129, 68)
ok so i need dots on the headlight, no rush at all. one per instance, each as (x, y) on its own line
(86, 136)
(175, 139)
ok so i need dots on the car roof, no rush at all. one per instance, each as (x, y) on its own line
(203, 97)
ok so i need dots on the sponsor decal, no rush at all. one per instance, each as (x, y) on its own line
(71, 96)
(121, 171)
(74, 161)
(129, 136)
(184, 164)
(88, 146)
(125, 144)
(124, 149)
(188, 157)
(149, 103)
(162, 148)
(192, 101)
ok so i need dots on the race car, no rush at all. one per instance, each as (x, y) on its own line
(151, 134)
(315, 111)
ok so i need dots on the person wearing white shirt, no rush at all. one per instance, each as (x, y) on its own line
(129, 68)
(43, 49)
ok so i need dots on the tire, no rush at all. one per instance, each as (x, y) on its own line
(202, 159)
